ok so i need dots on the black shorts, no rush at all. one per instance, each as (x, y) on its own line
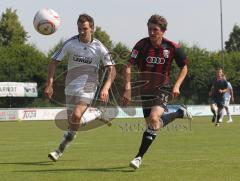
(159, 97)
(219, 102)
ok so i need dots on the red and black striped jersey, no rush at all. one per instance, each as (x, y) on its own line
(154, 64)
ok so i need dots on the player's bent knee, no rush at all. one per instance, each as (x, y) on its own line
(155, 123)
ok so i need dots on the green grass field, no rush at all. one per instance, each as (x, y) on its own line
(205, 152)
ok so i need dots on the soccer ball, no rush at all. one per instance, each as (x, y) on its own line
(46, 21)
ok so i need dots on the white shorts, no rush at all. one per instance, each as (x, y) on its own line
(83, 88)
(226, 101)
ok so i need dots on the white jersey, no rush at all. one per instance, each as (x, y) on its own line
(83, 66)
(80, 53)
(227, 94)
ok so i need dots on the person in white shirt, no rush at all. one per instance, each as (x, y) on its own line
(228, 97)
(84, 54)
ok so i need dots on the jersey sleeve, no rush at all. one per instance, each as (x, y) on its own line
(106, 56)
(180, 57)
(60, 53)
(136, 53)
(229, 86)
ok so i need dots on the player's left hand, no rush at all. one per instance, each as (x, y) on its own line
(175, 92)
(104, 95)
(48, 91)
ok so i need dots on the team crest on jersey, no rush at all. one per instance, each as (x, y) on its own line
(134, 53)
(166, 53)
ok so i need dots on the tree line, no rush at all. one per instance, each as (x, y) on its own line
(23, 62)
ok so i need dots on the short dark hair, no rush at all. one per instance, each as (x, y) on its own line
(85, 17)
(158, 20)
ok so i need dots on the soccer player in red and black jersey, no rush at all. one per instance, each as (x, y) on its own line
(153, 57)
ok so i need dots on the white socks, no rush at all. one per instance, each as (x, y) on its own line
(90, 115)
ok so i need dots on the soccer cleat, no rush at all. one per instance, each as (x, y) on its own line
(217, 124)
(104, 118)
(136, 162)
(230, 121)
(55, 155)
(106, 121)
(185, 112)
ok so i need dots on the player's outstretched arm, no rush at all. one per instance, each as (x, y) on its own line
(232, 95)
(181, 76)
(49, 86)
(126, 98)
(105, 90)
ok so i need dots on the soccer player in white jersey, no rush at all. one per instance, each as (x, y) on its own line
(228, 96)
(84, 55)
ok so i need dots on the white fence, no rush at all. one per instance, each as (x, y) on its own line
(130, 112)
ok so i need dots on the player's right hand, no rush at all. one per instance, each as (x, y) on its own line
(48, 91)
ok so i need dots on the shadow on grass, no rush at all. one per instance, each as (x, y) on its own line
(39, 163)
(111, 169)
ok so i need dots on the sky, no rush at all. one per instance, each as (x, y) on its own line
(190, 21)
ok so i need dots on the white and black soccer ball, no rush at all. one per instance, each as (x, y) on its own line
(46, 21)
